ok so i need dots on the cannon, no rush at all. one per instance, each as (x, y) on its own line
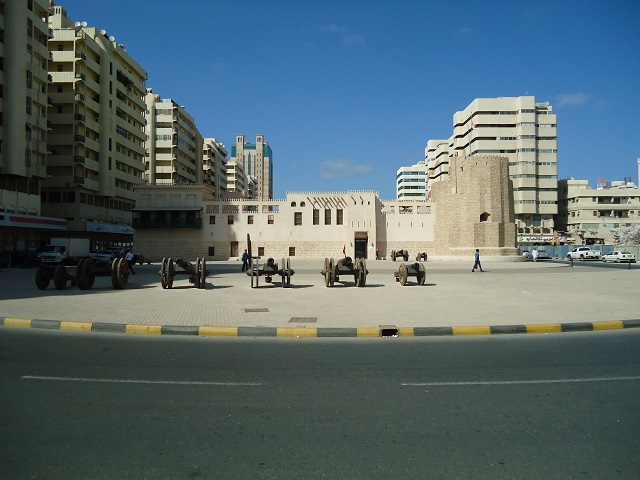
(84, 274)
(421, 256)
(345, 266)
(197, 274)
(400, 254)
(412, 270)
(269, 270)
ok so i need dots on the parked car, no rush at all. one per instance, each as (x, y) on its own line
(526, 254)
(543, 255)
(107, 255)
(617, 256)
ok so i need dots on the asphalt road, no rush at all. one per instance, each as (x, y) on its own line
(106, 406)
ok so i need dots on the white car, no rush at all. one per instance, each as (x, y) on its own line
(617, 256)
(107, 255)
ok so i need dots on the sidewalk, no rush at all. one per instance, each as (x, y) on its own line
(506, 298)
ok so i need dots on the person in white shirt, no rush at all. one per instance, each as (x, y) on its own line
(129, 258)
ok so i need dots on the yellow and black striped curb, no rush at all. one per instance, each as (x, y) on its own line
(384, 331)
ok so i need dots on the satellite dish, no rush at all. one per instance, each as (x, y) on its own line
(84, 24)
(112, 38)
(77, 24)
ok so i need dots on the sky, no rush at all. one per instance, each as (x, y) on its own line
(346, 92)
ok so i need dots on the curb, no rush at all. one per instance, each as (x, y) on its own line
(298, 332)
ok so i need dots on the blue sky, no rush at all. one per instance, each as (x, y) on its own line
(346, 92)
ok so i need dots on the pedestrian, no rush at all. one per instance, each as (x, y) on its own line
(129, 258)
(245, 261)
(477, 262)
(534, 254)
(377, 252)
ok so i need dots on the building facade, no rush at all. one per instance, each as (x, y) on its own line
(525, 132)
(473, 209)
(597, 215)
(411, 182)
(97, 137)
(256, 160)
(214, 166)
(174, 144)
(24, 99)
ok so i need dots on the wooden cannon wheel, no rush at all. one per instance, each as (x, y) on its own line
(119, 273)
(283, 269)
(362, 272)
(203, 273)
(198, 276)
(422, 274)
(60, 277)
(255, 274)
(289, 273)
(332, 269)
(327, 272)
(163, 278)
(170, 272)
(42, 279)
(85, 274)
(402, 274)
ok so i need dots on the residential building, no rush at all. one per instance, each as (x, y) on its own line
(214, 166)
(239, 185)
(256, 160)
(174, 144)
(436, 154)
(473, 209)
(97, 136)
(525, 132)
(412, 181)
(24, 78)
(597, 215)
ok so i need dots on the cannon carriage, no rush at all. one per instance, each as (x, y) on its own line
(400, 254)
(345, 266)
(197, 274)
(411, 270)
(269, 270)
(84, 274)
(421, 256)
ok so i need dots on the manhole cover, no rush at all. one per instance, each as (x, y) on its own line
(303, 319)
(255, 310)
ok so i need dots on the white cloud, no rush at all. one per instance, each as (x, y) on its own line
(571, 99)
(342, 168)
(349, 39)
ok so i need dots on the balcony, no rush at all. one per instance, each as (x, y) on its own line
(78, 159)
(79, 138)
(167, 223)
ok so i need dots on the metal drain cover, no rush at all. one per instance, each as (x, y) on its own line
(255, 310)
(303, 319)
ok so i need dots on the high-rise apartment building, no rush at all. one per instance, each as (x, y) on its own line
(411, 181)
(239, 184)
(174, 144)
(24, 56)
(214, 166)
(97, 136)
(24, 79)
(256, 160)
(525, 132)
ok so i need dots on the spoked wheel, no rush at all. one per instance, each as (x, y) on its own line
(283, 269)
(289, 273)
(42, 280)
(60, 277)
(403, 274)
(88, 275)
(327, 272)
(163, 273)
(363, 272)
(358, 275)
(422, 274)
(393, 255)
(119, 273)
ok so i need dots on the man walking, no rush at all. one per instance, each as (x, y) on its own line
(477, 262)
(245, 261)
(129, 258)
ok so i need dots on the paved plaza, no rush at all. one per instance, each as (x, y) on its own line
(509, 297)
